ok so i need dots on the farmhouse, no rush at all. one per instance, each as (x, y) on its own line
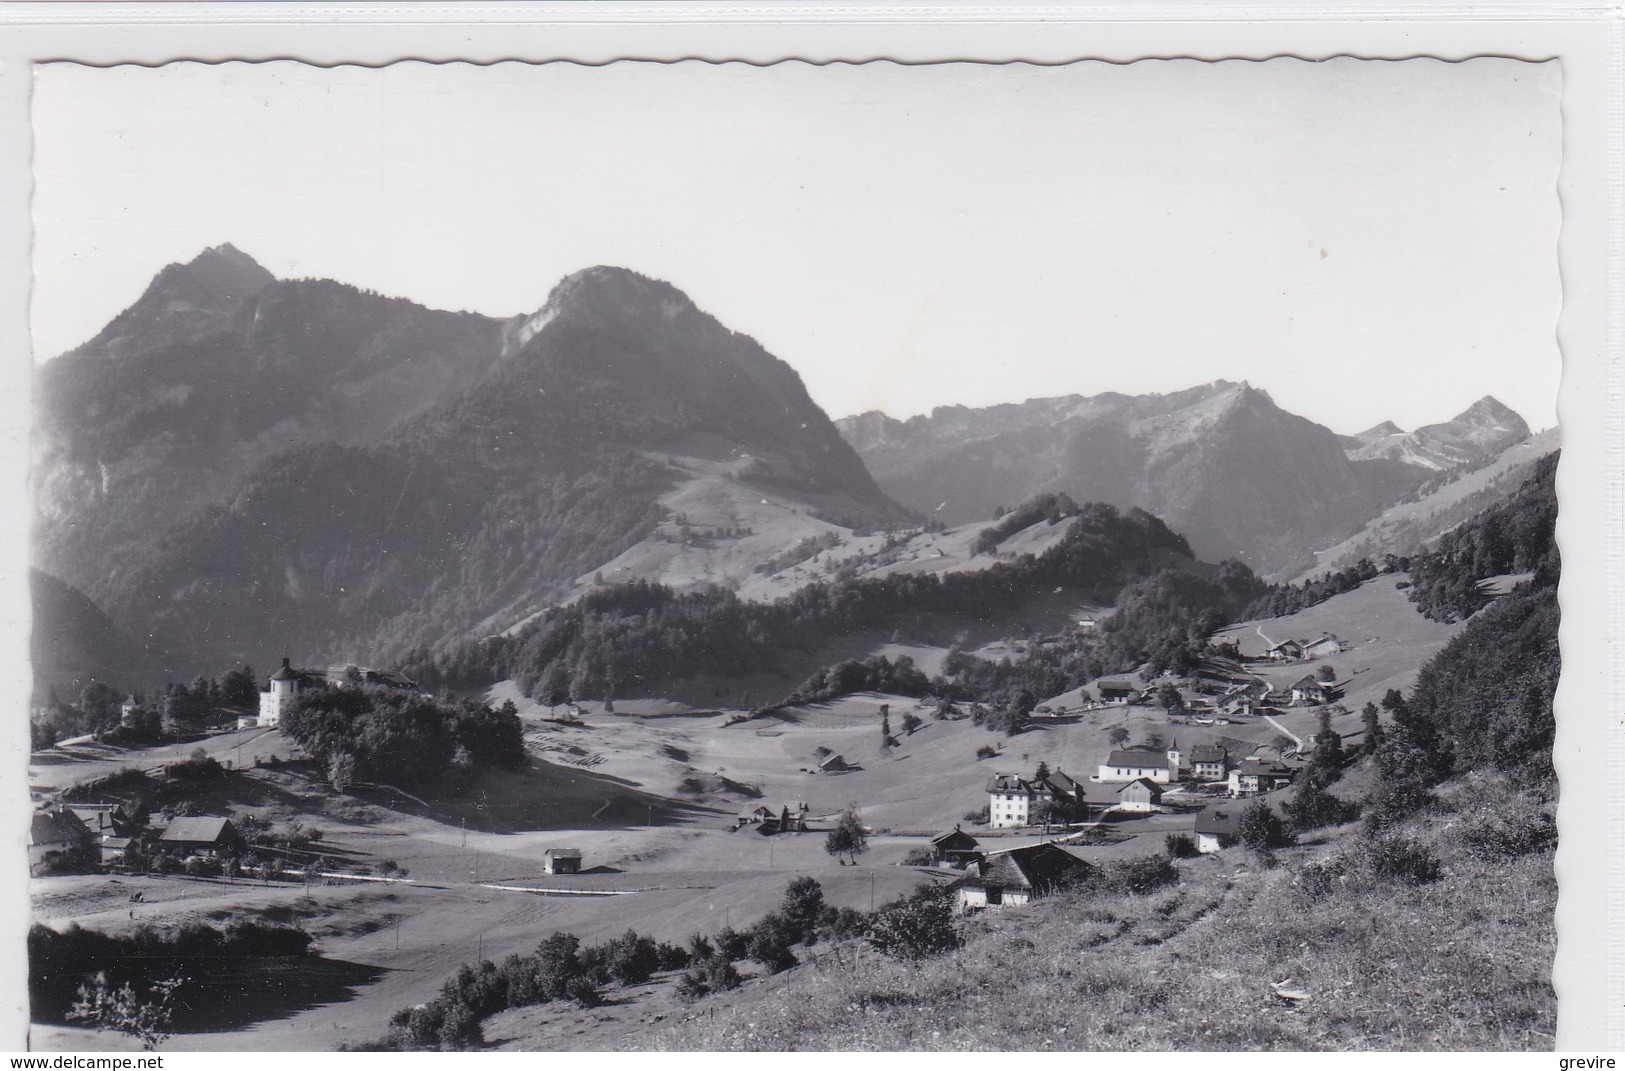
(758, 815)
(58, 839)
(1326, 645)
(1285, 651)
(1209, 762)
(1116, 690)
(1217, 827)
(561, 861)
(1132, 763)
(1309, 692)
(793, 817)
(1012, 878)
(113, 850)
(1140, 796)
(202, 835)
(1255, 775)
(833, 764)
(955, 848)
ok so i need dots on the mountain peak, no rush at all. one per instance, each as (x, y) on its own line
(1489, 408)
(183, 301)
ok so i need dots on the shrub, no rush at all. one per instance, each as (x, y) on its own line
(1494, 836)
(770, 945)
(714, 975)
(986, 752)
(920, 857)
(1261, 829)
(1136, 875)
(801, 909)
(631, 959)
(1319, 877)
(731, 944)
(1404, 860)
(844, 922)
(1181, 846)
(982, 816)
(919, 926)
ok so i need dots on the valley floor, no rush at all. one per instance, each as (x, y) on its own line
(650, 793)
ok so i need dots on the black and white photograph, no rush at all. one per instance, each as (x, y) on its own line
(726, 556)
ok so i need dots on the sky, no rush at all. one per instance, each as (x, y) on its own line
(1366, 240)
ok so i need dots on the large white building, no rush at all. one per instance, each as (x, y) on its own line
(1131, 764)
(1013, 801)
(284, 688)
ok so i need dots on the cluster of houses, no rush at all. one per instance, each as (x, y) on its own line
(1233, 700)
(1136, 778)
(91, 835)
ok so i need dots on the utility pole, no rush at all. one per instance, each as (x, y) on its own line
(871, 890)
(397, 933)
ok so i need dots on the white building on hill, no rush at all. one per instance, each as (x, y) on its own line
(1131, 764)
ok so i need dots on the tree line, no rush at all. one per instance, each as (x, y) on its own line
(1517, 535)
(634, 636)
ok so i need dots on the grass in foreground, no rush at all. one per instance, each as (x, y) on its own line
(1461, 962)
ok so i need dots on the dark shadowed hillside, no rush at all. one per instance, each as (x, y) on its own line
(326, 469)
(73, 643)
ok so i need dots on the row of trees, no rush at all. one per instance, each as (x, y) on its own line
(561, 969)
(99, 708)
(1291, 598)
(637, 635)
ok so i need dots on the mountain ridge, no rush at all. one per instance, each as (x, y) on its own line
(322, 465)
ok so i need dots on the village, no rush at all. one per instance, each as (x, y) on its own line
(687, 820)
(88, 824)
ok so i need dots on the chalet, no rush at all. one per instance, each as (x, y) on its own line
(955, 848)
(1217, 827)
(1309, 692)
(1116, 690)
(793, 817)
(1012, 878)
(1140, 796)
(1321, 648)
(759, 815)
(1285, 651)
(1209, 763)
(561, 861)
(201, 835)
(1254, 775)
(833, 764)
(1132, 763)
(127, 710)
(57, 840)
